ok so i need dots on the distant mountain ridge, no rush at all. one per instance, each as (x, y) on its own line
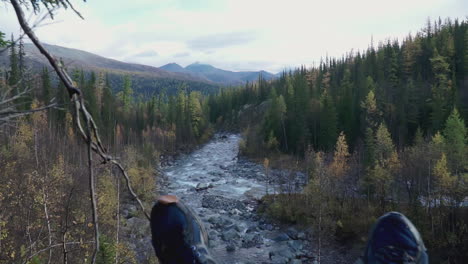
(146, 79)
(75, 58)
(216, 75)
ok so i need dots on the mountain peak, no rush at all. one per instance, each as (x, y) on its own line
(198, 64)
(172, 67)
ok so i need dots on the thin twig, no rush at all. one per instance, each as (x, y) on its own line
(4, 115)
(54, 246)
(13, 98)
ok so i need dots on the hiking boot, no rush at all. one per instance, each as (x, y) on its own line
(177, 234)
(395, 240)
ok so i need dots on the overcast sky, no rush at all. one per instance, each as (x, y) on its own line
(235, 34)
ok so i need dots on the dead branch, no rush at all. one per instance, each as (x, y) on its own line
(5, 99)
(7, 115)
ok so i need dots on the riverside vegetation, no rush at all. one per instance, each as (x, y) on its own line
(378, 130)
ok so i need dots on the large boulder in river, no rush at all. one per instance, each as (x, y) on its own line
(295, 245)
(283, 255)
(252, 240)
(281, 237)
(230, 235)
(203, 186)
(230, 248)
(220, 221)
(292, 233)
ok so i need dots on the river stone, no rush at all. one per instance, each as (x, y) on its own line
(214, 220)
(226, 221)
(301, 236)
(281, 237)
(232, 226)
(281, 256)
(292, 233)
(279, 260)
(251, 229)
(220, 221)
(239, 228)
(203, 186)
(230, 235)
(252, 240)
(286, 253)
(230, 248)
(295, 245)
(212, 234)
(235, 211)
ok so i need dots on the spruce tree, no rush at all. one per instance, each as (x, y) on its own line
(328, 122)
(14, 73)
(455, 134)
(46, 86)
(441, 91)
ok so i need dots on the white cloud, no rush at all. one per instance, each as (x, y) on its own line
(236, 34)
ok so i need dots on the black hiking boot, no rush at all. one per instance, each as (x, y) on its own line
(395, 240)
(177, 233)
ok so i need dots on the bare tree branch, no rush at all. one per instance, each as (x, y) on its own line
(7, 115)
(6, 100)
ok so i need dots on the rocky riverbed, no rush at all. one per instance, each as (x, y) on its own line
(224, 190)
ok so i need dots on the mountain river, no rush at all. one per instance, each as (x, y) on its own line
(223, 190)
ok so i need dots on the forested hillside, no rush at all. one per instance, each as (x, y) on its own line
(411, 84)
(377, 130)
(208, 72)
